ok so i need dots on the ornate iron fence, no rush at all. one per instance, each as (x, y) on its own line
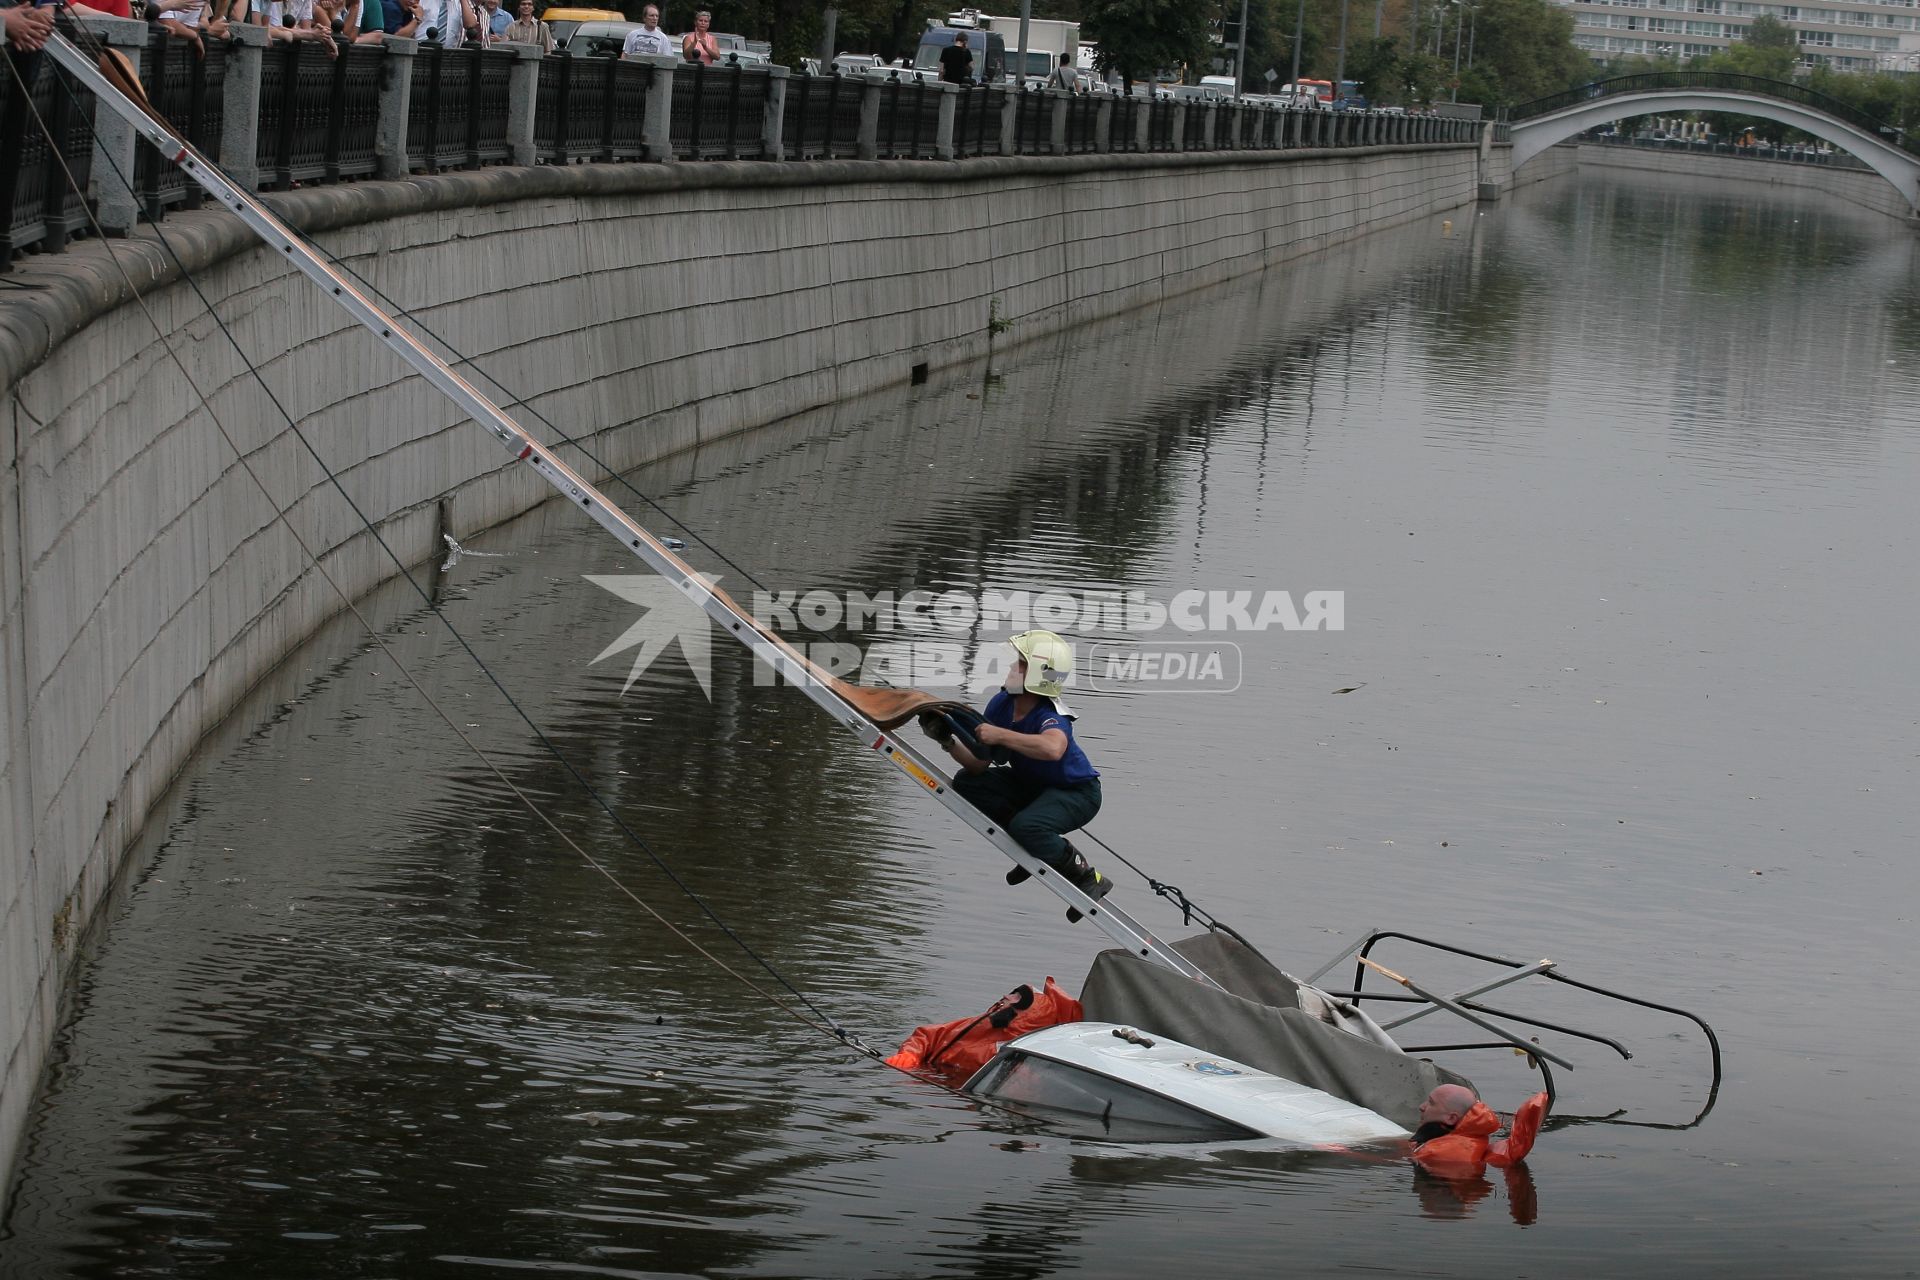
(457, 108)
(1083, 123)
(717, 112)
(42, 206)
(823, 117)
(1159, 125)
(1193, 130)
(591, 109)
(1032, 123)
(188, 87)
(323, 111)
(1123, 126)
(976, 121)
(909, 127)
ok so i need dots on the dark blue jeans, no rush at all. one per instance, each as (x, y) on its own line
(1035, 815)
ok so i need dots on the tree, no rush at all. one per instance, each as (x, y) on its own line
(1523, 49)
(1140, 37)
(1768, 49)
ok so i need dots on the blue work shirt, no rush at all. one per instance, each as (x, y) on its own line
(1071, 768)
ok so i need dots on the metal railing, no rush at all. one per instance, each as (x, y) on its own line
(822, 117)
(718, 112)
(281, 114)
(1654, 81)
(190, 93)
(591, 109)
(1758, 151)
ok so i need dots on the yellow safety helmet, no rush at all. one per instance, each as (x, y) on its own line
(1049, 658)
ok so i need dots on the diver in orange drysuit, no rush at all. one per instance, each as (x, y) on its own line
(1454, 1145)
(1455, 1128)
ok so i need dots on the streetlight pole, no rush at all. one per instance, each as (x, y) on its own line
(1240, 56)
(1340, 64)
(1026, 16)
(1473, 29)
(1299, 24)
(1459, 25)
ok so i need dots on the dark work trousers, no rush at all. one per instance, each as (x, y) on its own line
(1035, 815)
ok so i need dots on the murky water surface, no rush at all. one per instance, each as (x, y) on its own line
(1619, 483)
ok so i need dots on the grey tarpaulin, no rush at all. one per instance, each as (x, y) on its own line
(1257, 1021)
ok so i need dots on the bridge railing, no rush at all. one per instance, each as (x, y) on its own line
(283, 114)
(1655, 81)
(1758, 151)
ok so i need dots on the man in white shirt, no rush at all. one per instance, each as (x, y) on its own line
(649, 39)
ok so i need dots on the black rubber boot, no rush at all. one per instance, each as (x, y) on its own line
(1087, 881)
(1020, 875)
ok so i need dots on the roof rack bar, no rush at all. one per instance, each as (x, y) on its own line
(1464, 996)
(1485, 1024)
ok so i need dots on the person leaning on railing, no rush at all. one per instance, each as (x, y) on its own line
(189, 19)
(293, 20)
(399, 18)
(446, 22)
(527, 29)
(27, 27)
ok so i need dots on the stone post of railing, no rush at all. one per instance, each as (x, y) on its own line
(1062, 101)
(1009, 121)
(1209, 125)
(656, 132)
(240, 116)
(1103, 124)
(523, 95)
(943, 131)
(116, 202)
(773, 117)
(868, 145)
(1143, 125)
(1177, 136)
(396, 102)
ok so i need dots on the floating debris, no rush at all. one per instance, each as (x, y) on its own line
(455, 551)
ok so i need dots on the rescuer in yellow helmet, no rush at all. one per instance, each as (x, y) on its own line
(1046, 787)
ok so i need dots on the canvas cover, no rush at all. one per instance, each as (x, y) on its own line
(1258, 1021)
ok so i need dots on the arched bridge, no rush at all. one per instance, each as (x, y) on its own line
(1539, 124)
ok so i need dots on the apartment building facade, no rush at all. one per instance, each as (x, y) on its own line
(1848, 35)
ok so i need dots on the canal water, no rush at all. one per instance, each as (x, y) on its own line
(1617, 481)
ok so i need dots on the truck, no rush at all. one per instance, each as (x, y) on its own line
(1317, 93)
(1047, 39)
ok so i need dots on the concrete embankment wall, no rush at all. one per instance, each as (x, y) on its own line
(145, 584)
(1554, 162)
(1861, 187)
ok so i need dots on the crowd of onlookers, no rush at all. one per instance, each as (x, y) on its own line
(331, 23)
(450, 23)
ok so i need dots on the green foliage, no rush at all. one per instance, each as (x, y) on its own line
(1140, 37)
(1524, 49)
(1768, 32)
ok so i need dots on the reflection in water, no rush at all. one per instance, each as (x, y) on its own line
(1456, 1197)
(1615, 481)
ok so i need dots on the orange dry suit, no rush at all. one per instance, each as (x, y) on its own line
(1465, 1152)
(961, 1047)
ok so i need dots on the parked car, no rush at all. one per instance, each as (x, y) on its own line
(596, 39)
(737, 49)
